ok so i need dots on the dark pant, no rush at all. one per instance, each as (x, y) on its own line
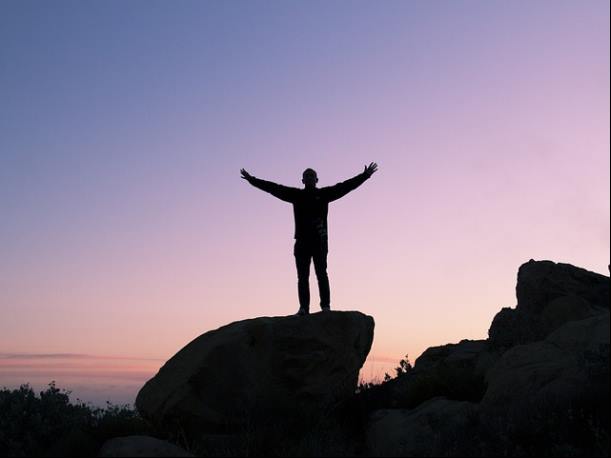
(306, 250)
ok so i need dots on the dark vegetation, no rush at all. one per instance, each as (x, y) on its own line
(403, 368)
(48, 424)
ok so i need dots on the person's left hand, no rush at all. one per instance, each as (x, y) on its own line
(370, 169)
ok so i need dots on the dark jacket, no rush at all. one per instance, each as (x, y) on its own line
(310, 206)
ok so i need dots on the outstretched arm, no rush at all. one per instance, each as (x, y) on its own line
(284, 193)
(341, 189)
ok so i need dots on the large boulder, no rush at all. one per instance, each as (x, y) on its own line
(434, 428)
(540, 282)
(568, 368)
(472, 356)
(549, 295)
(258, 370)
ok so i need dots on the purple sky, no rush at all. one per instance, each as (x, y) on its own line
(126, 230)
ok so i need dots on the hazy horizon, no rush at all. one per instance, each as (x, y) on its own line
(127, 231)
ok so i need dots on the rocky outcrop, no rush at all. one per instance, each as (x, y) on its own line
(549, 295)
(259, 369)
(540, 282)
(140, 446)
(538, 385)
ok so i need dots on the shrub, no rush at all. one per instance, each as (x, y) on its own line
(50, 425)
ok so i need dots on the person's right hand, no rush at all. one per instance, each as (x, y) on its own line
(245, 174)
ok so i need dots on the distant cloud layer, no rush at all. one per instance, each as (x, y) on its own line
(71, 356)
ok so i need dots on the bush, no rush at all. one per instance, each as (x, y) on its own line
(49, 425)
(404, 367)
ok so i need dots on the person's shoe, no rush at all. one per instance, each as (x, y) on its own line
(302, 312)
(326, 309)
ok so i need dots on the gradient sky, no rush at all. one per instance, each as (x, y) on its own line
(126, 230)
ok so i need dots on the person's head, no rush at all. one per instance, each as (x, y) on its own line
(309, 178)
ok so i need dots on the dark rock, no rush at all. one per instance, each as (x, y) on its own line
(549, 295)
(263, 369)
(467, 354)
(514, 327)
(434, 428)
(564, 309)
(540, 282)
(570, 365)
(454, 371)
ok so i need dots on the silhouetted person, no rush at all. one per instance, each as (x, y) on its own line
(310, 206)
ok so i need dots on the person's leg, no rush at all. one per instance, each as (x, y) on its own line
(303, 258)
(320, 266)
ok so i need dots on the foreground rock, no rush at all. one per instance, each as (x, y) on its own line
(140, 446)
(570, 367)
(431, 429)
(263, 369)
